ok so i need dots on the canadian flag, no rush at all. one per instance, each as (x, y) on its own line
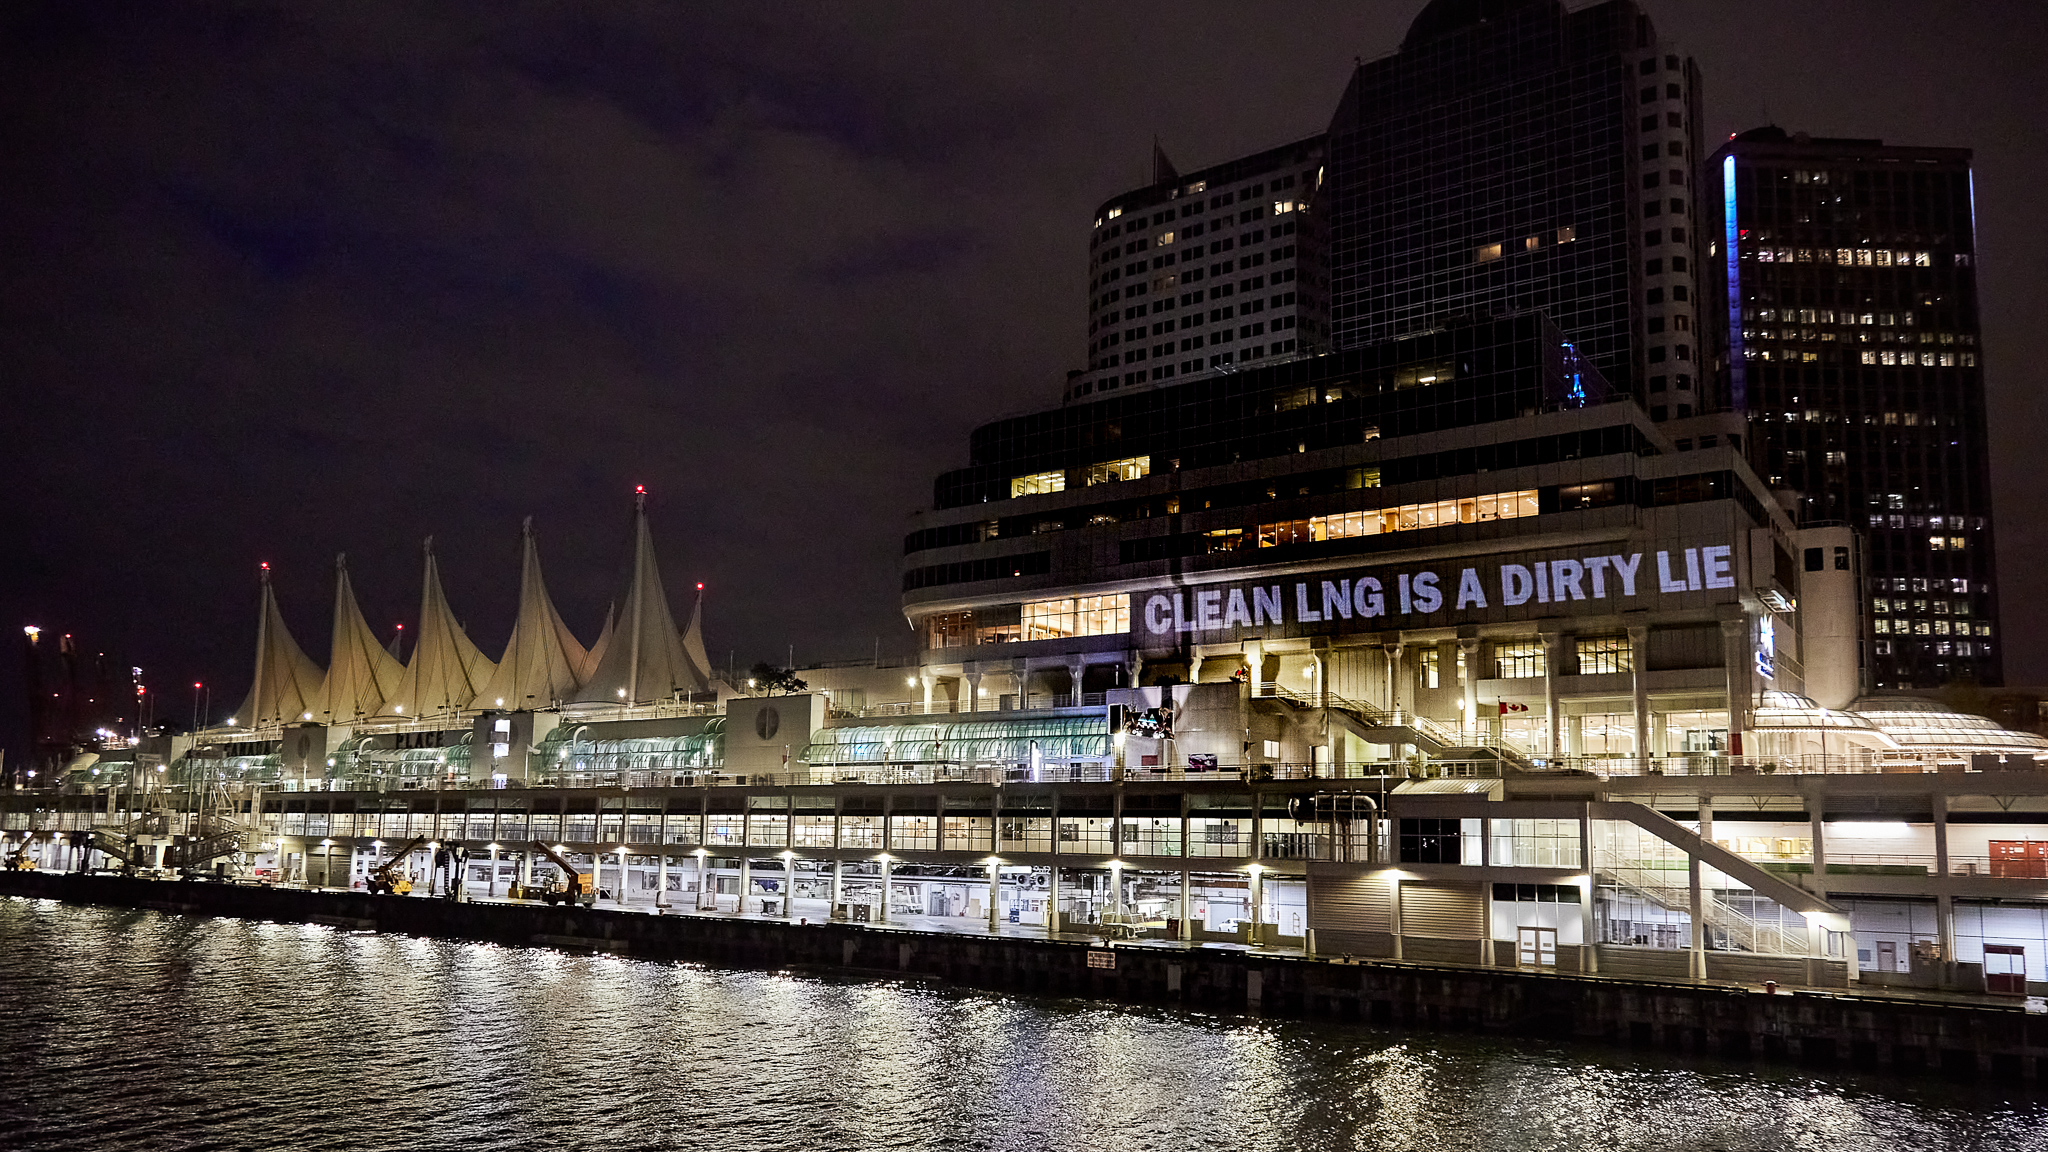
(1506, 707)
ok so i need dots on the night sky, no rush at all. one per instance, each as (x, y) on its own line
(280, 281)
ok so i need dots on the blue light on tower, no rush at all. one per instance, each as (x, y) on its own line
(1576, 395)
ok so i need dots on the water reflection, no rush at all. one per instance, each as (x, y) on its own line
(139, 1030)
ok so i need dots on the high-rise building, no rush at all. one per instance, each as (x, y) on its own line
(1846, 280)
(1513, 156)
(1199, 273)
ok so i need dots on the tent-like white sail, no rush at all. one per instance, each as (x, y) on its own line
(595, 656)
(645, 659)
(446, 670)
(543, 660)
(361, 675)
(287, 681)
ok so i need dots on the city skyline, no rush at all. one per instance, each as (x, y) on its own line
(447, 371)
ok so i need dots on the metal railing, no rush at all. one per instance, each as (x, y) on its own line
(1722, 764)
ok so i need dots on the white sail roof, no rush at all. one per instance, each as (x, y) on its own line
(287, 681)
(693, 640)
(595, 656)
(645, 659)
(543, 661)
(360, 673)
(446, 670)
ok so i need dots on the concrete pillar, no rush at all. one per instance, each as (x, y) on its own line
(1116, 887)
(1052, 899)
(1258, 892)
(1553, 651)
(1589, 955)
(525, 866)
(1697, 906)
(1736, 656)
(927, 680)
(1468, 647)
(746, 881)
(1639, 686)
(1816, 804)
(1945, 924)
(1078, 670)
(789, 883)
(838, 887)
(973, 691)
(619, 893)
(1195, 662)
(661, 881)
(1187, 931)
(995, 896)
(1939, 803)
(492, 888)
(882, 915)
(1706, 818)
(703, 877)
(1255, 665)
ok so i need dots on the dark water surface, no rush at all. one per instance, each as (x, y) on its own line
(138, 1030)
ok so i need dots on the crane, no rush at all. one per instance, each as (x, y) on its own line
(580, 887)
(393, 877)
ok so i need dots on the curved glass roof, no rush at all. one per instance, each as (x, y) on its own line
(991, 741)
(1920, 724)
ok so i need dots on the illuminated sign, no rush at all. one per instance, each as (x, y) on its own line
(1422, 597)
(1766, 647)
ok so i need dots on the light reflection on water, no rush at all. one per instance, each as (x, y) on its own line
(141, 1031)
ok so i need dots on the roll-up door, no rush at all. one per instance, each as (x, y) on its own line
(1442, 911)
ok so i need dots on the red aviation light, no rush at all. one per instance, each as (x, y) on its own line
(640, 489)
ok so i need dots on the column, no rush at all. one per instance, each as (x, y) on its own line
(838, 887)
(1939, 804)
(1697, 907)
(995, 896)
(882, 916)
(789, 882)
(492, 888)
(1052, 898)
(1255, 666)
(625, 872)
(1553, 649)
(703, 877)
(1116, 887)
(1589, 956)
(1816, 805)
(973, 679)
(1187, 930)
(1078, 670)
(1256, 936)
(1735, 654)
(661, 878)
(1398, 753)
(746, 881)
(1195, 662)
(1706, 818)
(926, 680)
(1639, 686)
(1468, 647)
(525, 866)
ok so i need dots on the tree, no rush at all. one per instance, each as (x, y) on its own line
(773, 681)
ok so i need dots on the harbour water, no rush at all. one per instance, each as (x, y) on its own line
(140, 1030)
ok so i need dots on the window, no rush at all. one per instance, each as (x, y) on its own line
(1076, 616)
(1038, 483)
(1601, 655)
(1131, 468)
(1430, 660)
(1567, 234)
(1271, 749)
(1486, 253)
(1519, 659)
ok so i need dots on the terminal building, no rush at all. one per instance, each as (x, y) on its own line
(1434, 645)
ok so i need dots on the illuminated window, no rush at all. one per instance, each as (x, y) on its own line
(1519, 659)
(1076, 616)
(1131, 468)
(1038, 484)
(1404, 518)
(1600, 655)
(1430, 660)
(1567, 234)
(1485, 253)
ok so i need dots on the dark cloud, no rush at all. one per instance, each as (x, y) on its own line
(282, 281)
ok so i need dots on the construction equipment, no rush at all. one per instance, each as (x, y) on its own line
(18, 861)
(394, 876)
(579, 888)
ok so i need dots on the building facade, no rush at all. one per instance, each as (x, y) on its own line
(1201, 273)
(1516, 156)
(1846, 286)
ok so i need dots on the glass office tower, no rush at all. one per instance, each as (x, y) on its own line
(1847, 290)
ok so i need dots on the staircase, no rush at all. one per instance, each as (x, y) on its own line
(1743, 932)
(1376, 725)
